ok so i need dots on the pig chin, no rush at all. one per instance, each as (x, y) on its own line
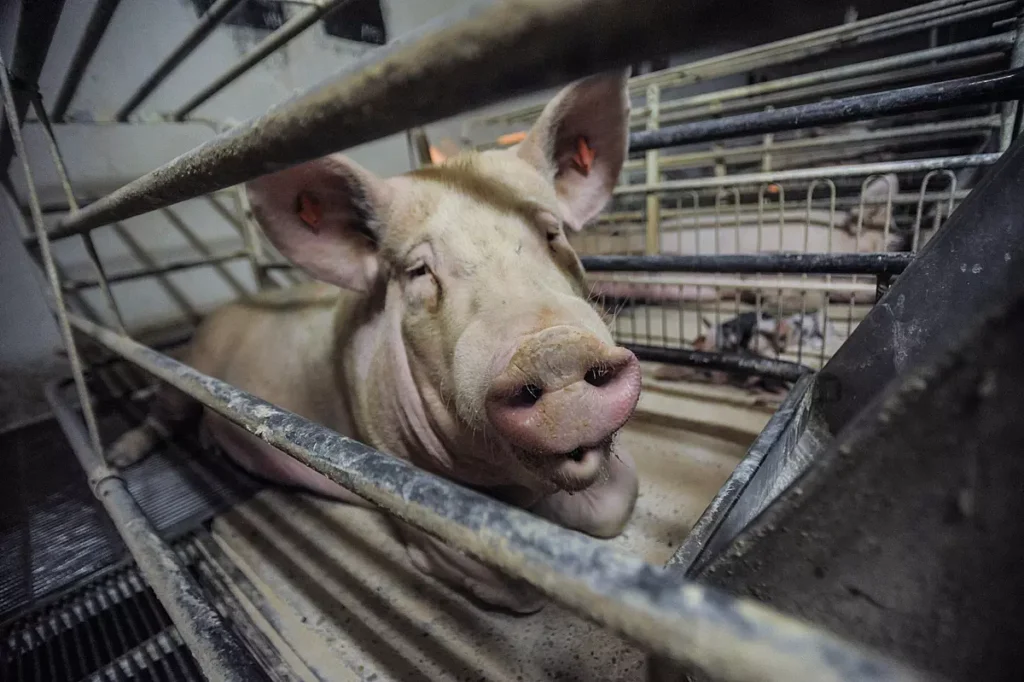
(573, 471)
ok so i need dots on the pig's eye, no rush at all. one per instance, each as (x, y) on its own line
(417, 271)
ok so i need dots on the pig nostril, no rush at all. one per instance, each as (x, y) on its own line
(599, 376)
(526, 396)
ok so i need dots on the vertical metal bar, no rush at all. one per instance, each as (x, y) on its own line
(207, 23)
(69, 195)
(279, 38)
(653, 238)
(1010, 108)
(48, 263)
(99, 19)
(251, 238)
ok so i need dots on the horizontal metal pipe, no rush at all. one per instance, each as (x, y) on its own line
(207, 23)
(807, 174)
(684, 621)
(99, 19)
(997, 43)
(779, 52)
(981, 124)
(970, 90)
(219, 654)
(757, 263)
(75, 285)
(663, 286)
(726, 362)
(482, 53)
(275, 41)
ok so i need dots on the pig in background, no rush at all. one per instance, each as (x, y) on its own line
(449, 326)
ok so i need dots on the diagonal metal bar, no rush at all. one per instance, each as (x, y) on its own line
(99, 19)
(207, 23)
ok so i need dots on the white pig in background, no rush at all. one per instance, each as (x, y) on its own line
(450, 327)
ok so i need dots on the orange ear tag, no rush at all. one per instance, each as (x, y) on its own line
(310, 211)
(583, 159)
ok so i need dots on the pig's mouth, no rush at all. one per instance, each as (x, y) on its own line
(571, 471)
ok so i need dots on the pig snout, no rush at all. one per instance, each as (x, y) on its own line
(562, 396)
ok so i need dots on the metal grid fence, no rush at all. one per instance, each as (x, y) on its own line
(664, 239)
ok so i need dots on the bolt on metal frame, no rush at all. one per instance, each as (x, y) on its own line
(669, 615)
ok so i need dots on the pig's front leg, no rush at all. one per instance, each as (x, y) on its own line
(603, 509)
(450, 566)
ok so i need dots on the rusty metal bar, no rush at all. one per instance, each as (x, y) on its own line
(99, 19)
(207, 23)
(275, 41)
(484, 53)
(49, 265)
(217, 651)
(670, 616)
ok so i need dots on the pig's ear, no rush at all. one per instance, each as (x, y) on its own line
(325, 217)
(580, 142)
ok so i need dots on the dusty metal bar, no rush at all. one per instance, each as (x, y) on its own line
(728, 362)
(218, 653)
(76, 285)
(799, 263)
(804, 45)
(49, 264)
(668, 615)
(99, 19)
(970, 90)
(746, 153)
(69, 195)
(484, 53)
(803, 174)
(275, 41)
(207, 23)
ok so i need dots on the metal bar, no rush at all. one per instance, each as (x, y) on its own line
(69, 195)
(216, 650)
(653, 236)
(99, 19)
(977, 125)
(998, 43)
(801, 174)
(78, 284)
(801, 263)
(671, 616)
(728, 362)
(483, 53)
(861, 32)
(199, 245)
(36, 25)
(275, 41)
(49, 265)
(207, 23)
(1010, 108)
(970, 90)
(141, 255)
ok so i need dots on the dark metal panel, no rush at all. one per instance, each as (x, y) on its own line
(975, 258)
(908, 533)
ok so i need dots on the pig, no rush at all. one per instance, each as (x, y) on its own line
(449, 325)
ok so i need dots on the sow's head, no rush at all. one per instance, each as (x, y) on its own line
(469, 262)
